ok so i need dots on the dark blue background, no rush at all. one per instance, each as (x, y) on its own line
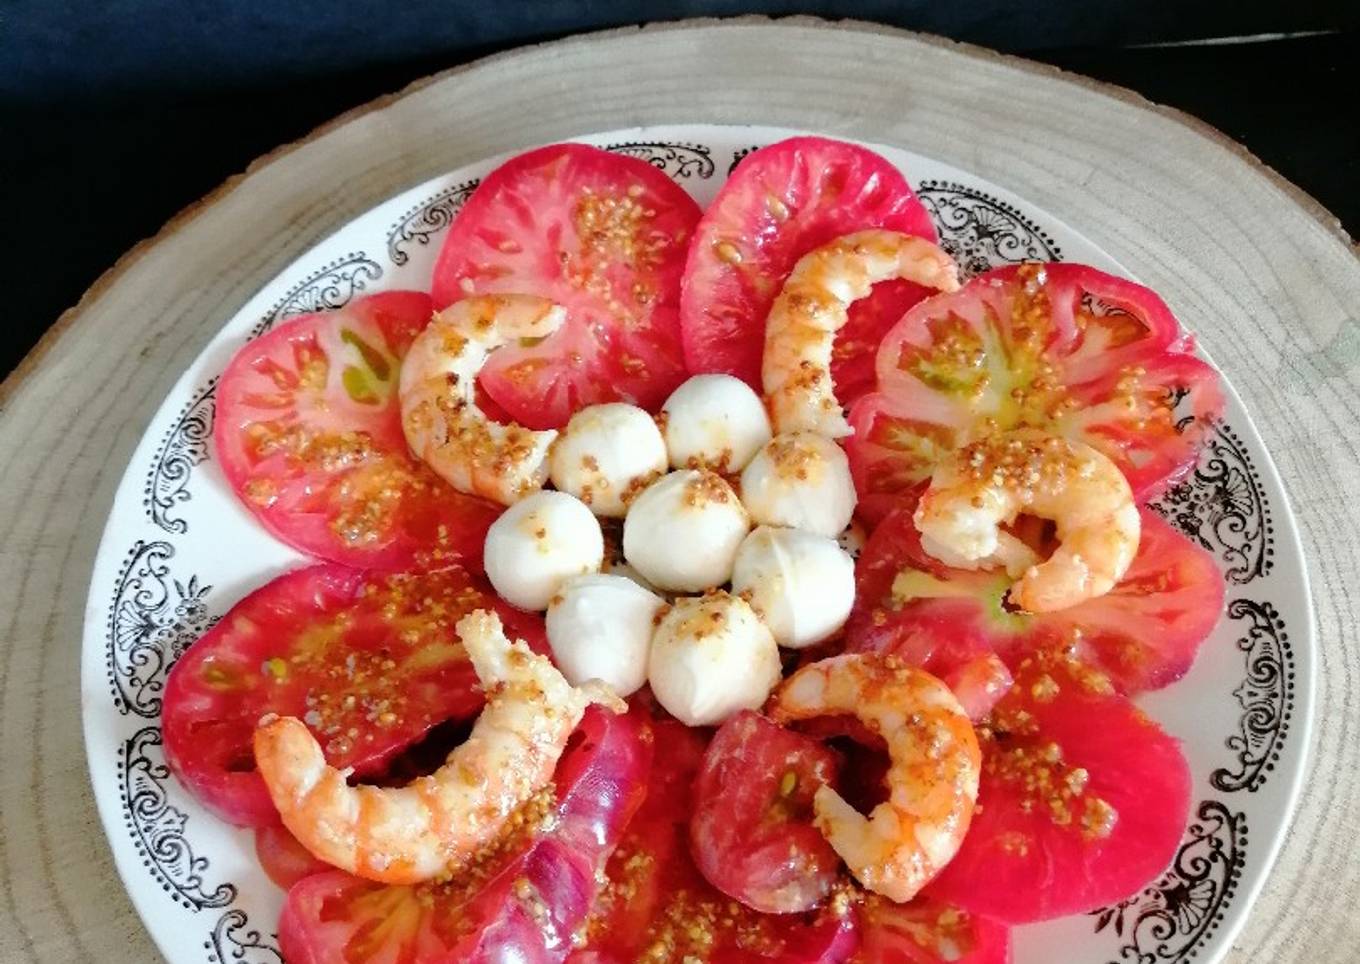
(115, 115)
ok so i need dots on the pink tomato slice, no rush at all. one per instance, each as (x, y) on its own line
(308, 432)
(1060, 347)
(522, 902)
(369, 661)
(751, 832)
(603, 235)
(1082, 801)
(928, 932)
(780, 203)
(1145, 633)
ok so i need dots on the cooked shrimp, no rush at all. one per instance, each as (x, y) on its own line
(815, 304)
(439, 414)
(435, 824)
(932, 777)
(992, 481)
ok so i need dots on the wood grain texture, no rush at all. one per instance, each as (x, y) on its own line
(1264, 276)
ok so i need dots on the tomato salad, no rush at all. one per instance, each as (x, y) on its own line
(819, 759)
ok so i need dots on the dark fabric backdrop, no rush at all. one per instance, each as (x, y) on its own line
(114, 115)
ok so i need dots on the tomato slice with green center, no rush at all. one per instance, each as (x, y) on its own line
(925, 931)
(781, 202)
(751, 832)
(656, 905)
(1060, 347)
(369, 661)
(523, 900)
(1082, 800)
(1144, 633)
(604, 236)
(308, 432)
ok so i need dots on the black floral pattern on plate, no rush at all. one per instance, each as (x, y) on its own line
(1266, 696)
(154, 616)
(981, 232)
(1222, 506)
(739, 155)
(184, 446)
(234, 940)
(329, 287)
(158, 828)
(680, 160)
(432, 216)
(1172, 919)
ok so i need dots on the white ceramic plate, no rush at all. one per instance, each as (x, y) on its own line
(178, 551)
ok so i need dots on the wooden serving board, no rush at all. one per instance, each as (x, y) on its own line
(1270, 281)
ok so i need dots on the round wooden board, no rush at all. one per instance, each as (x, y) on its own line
(1260, 271)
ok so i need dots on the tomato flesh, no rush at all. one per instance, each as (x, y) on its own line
(521, 902)
(308, 432)
(1060, 347)
(1144, 633)
(781, 202)
(284, 859)
(751, 831)
(603, 235)
(1082, 799)
(657, 903)
(928, 932)
(369, 661)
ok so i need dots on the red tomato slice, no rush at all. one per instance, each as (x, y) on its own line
(284, 859)
(780, 203)
(1144, 633)
(605, 236)
(1060, 347)
(928, 932)
(1083, 799)
(657, 903)
(751, 832)
(369, 661)
(522, 903)
(308, 431)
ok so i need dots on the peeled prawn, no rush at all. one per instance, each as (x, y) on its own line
(815, 303)
(932, 777)
(439, 414)
(438, 823)
(991, 482)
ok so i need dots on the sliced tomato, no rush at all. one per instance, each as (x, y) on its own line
(369, 661)
(1060, 347)
(780, 203)
(308, 432)
(603, 235)
(1082, 801)
(928, 932)
(751, 833)
(284, 859)
(522, 903)
(657, 903)
(1145, 633)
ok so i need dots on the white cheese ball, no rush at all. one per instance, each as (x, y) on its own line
(682, 533)
(712, 657)
(800, 480)
(537, 544)
(606, 454)
(716, 422)
(801, 584)
(600, 627)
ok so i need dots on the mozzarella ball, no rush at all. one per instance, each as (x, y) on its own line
(712, 657)
(716, 422)
(600, 627)
(801, 584)
(800, 480)
(682, 533)
(606, 455)
(537, 544)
